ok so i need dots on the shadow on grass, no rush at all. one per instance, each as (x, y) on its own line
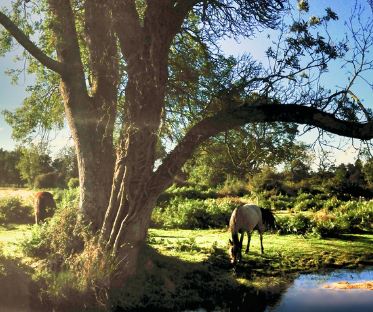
(162, 283)
(168, 284)
(17, 291)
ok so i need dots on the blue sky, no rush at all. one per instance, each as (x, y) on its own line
(12, 96)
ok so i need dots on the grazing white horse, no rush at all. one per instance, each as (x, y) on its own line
(245, 218)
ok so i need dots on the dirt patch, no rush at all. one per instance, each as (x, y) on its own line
(347, 285)
(16, 192)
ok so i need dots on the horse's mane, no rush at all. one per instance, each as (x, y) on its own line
(233, 227)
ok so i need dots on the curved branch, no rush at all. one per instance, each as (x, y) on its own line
(239, 116)
(30, 46)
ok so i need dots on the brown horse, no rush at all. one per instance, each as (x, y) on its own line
(44, 206)
(245, 218)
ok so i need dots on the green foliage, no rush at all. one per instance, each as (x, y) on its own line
(238, 153)
(61, 235)
(34, 162)
(299, 224)
(9, 173)
(266, 180)
(321, 215)
(33, 243)
(46, 180)
(307, 204)
(66, 166)
(234, 187)
(73, 183)
(187, 192)
(14, 210)
(333, 220)
(194, 213)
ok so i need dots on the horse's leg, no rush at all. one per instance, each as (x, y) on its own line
(248, 241)
(241, 242)
(261, 242)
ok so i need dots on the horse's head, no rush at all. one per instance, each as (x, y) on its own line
(235, 251)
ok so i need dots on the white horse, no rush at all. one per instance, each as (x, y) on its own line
(245, 218)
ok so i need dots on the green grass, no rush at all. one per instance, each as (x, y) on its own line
(284, 255)
(190, 268)
(197, 264)
(10, 234)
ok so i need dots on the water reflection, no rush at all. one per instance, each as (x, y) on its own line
(307, 293)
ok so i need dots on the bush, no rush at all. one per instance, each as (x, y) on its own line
(331, 203)
(73, 183)
(351, 217)
(194, 213)
(266, 180)
(62, 234)
(46, 180)
(13, 210)
(234, 187)
(298, 224)
(307, 204)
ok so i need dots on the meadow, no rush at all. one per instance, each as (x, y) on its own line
(185, 262)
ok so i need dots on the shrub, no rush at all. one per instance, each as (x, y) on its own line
(46, 180)
(73, 183)
(60, 235)
(194, 213)
(13, 210)
(281, 204)
(234, 187)
(331, 203)
(298, 224)
(266, 180)
(306, 204)
(348, 218)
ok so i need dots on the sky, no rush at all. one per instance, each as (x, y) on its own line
(11, 96)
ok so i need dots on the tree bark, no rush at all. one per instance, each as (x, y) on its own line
(90, 112)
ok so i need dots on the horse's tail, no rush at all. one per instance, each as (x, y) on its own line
(268, 218)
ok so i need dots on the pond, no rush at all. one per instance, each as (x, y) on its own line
(307, 293)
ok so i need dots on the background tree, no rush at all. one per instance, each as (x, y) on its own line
(33, 162)
(65, 165)
(100, 48)
(9, 174)
(243, 152)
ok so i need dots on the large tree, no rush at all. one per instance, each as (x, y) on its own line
(102, 49)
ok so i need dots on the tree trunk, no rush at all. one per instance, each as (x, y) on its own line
(95, 154)
(90, 110)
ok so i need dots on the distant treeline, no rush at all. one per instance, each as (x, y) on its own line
(35, 168)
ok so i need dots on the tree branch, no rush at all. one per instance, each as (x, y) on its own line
(30, 46)
(239, 116)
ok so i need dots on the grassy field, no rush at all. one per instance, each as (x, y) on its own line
(284, 254)
(186, 269)
(192, 269)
